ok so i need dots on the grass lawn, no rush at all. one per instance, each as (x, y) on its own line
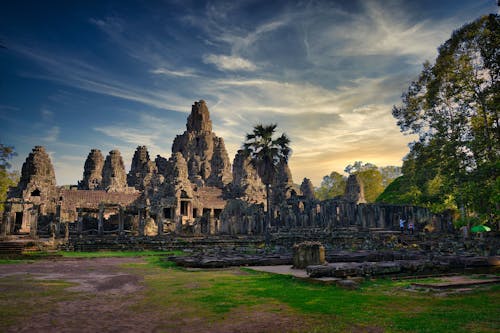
(237, 298)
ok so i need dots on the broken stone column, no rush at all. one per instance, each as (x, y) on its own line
(92, 171)
(308, 253)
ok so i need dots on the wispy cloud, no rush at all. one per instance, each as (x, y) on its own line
(168, 72)
(230, 63)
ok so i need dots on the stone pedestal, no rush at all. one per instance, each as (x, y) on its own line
(308, 253)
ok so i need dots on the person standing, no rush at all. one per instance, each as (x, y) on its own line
(402, 225)
(410, 228)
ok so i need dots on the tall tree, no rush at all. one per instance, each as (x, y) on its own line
(453, 108)
(331, 186)
(7, 178)
(371, 177)
(266, 153)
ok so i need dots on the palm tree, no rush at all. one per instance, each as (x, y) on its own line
(265, 154)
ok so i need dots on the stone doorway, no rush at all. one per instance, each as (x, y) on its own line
(18, 222)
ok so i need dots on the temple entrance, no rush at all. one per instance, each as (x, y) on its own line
(18, 221)
(184, 208)
(167, 213)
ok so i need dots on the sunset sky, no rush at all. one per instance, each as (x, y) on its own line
(77, 75)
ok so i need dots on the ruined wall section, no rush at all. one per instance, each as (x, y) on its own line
(204, 152)
(92, 171)
(141, 169)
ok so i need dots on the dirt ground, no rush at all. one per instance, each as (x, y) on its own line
(107, 293)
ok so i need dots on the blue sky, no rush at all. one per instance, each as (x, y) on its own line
(118, 74)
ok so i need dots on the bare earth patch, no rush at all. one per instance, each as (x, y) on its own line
(106, 294)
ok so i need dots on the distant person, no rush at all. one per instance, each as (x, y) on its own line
(402, 225)
(410, 228)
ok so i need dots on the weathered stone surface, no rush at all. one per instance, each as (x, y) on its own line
(307, 189)
(221, 168)
(199, 119)
(92, 171)
(161, 164)
(177, 176)
(141, 169)
(354, 192)
(228, 260)
(308, 253)
(283, 185)
(37, 171)
(150, 227)
(114, 178)
(204, 152)
(246, 184)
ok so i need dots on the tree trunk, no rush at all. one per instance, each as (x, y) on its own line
(268, 222)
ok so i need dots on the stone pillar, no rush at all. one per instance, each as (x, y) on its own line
(120, 221)
(79, 225)
(34, 222)
(66, 231)
(100, 221)
(26, 220)
(6, 224)
(141, 222)
(159, 222)
(211, 221)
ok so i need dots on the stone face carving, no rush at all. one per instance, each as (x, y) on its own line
(114, 178)
(141, 170)
(177, 176)
(307, 189)
(204, 152)
(354, 192)
(92, 171)
(37, 169)
(161, 164)
(199, 119)
(38, 180)
(246, 183)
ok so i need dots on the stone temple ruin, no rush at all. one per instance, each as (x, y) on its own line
(194, 192)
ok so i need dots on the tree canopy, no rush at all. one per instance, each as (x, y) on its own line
(453, 109)
(374, 180)
(7, 178)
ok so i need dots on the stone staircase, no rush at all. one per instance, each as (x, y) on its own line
(9, 249)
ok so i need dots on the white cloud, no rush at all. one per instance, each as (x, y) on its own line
(168, 72)
(230, 63)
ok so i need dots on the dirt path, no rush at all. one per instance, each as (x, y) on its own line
(107, 293)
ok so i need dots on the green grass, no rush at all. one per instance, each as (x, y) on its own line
(382, 303)
(220, 295)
